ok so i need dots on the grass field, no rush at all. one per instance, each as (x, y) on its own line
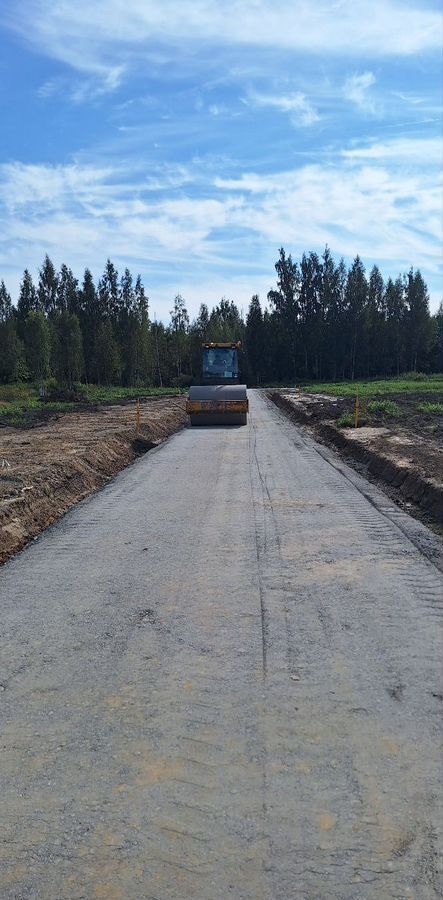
(20, 404)
(414, 382)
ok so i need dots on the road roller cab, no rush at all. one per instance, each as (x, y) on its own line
(219, 399)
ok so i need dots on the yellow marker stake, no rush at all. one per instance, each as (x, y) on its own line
(138, 415)
(356, 410)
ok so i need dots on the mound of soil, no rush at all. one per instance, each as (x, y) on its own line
(45, 471)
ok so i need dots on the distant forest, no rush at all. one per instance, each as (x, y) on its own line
(322, 321)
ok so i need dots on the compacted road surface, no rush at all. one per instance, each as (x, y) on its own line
(221, 677)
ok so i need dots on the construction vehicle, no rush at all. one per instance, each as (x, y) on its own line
(219, 399)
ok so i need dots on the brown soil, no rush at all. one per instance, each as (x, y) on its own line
(46, 470)
(405, 453)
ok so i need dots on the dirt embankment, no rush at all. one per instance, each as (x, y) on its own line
(406, 455)
(46, 470)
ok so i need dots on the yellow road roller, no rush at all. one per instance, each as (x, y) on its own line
(219, 399)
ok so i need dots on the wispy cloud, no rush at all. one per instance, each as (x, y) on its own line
(87, 36)
(376, 200)
(300, 109)
(357, 88)
(423, 152)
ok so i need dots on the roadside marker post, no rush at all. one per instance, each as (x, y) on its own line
(356, 410)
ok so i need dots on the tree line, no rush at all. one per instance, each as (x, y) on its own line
(322, 321)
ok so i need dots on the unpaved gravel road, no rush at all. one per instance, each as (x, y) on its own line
(222, 677)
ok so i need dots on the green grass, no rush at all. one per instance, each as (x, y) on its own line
(96, 394)
(347, 420)
(25, 412)
(20, 403)
(425, 384)
(387, 407)
(434, 409)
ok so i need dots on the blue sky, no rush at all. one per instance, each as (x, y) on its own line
(189, 139)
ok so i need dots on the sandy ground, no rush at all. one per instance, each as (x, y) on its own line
(406, 454)
(47, 469)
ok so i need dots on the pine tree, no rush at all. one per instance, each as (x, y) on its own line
(159, 343)
(12, 357)
(127, 293)
(255, 339)
(90, 319)
(144, 349)
(331, 279)
(107, 355)
(356, 298)
(5, 303)
(311, 314)
(225, 322)
(286, 301)
(38, 346)
(27, 300)
(67, 348)
(47, 287)
(198, 333)
(436, 356)
(67, 291)
(374, 323)
(109, 292)
(417, 321)
(394, 302)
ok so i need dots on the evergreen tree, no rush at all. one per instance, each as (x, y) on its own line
(38, 346)
(67, 291)
(127, 294)
(331, 289)
(436, 356)
(198, 334)
(286, 301)
(5, 303)
(47, 287)
(107, 355)
(225, 322)
(109, 293)
(374, 323)
(159, 342)
(12, 357)
(202, 322)
(356, 297)
(255, 339)
(144, 348)
(311, 314)
(67, 348)
(417, 321)
(27, 300)
(90, 319)
(394, 303)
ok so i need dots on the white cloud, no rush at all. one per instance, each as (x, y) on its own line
(357, 89)
(90, 36)
(299, 108)
(47, 89)
(370, 210)
(193, 229)
(409, 151)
